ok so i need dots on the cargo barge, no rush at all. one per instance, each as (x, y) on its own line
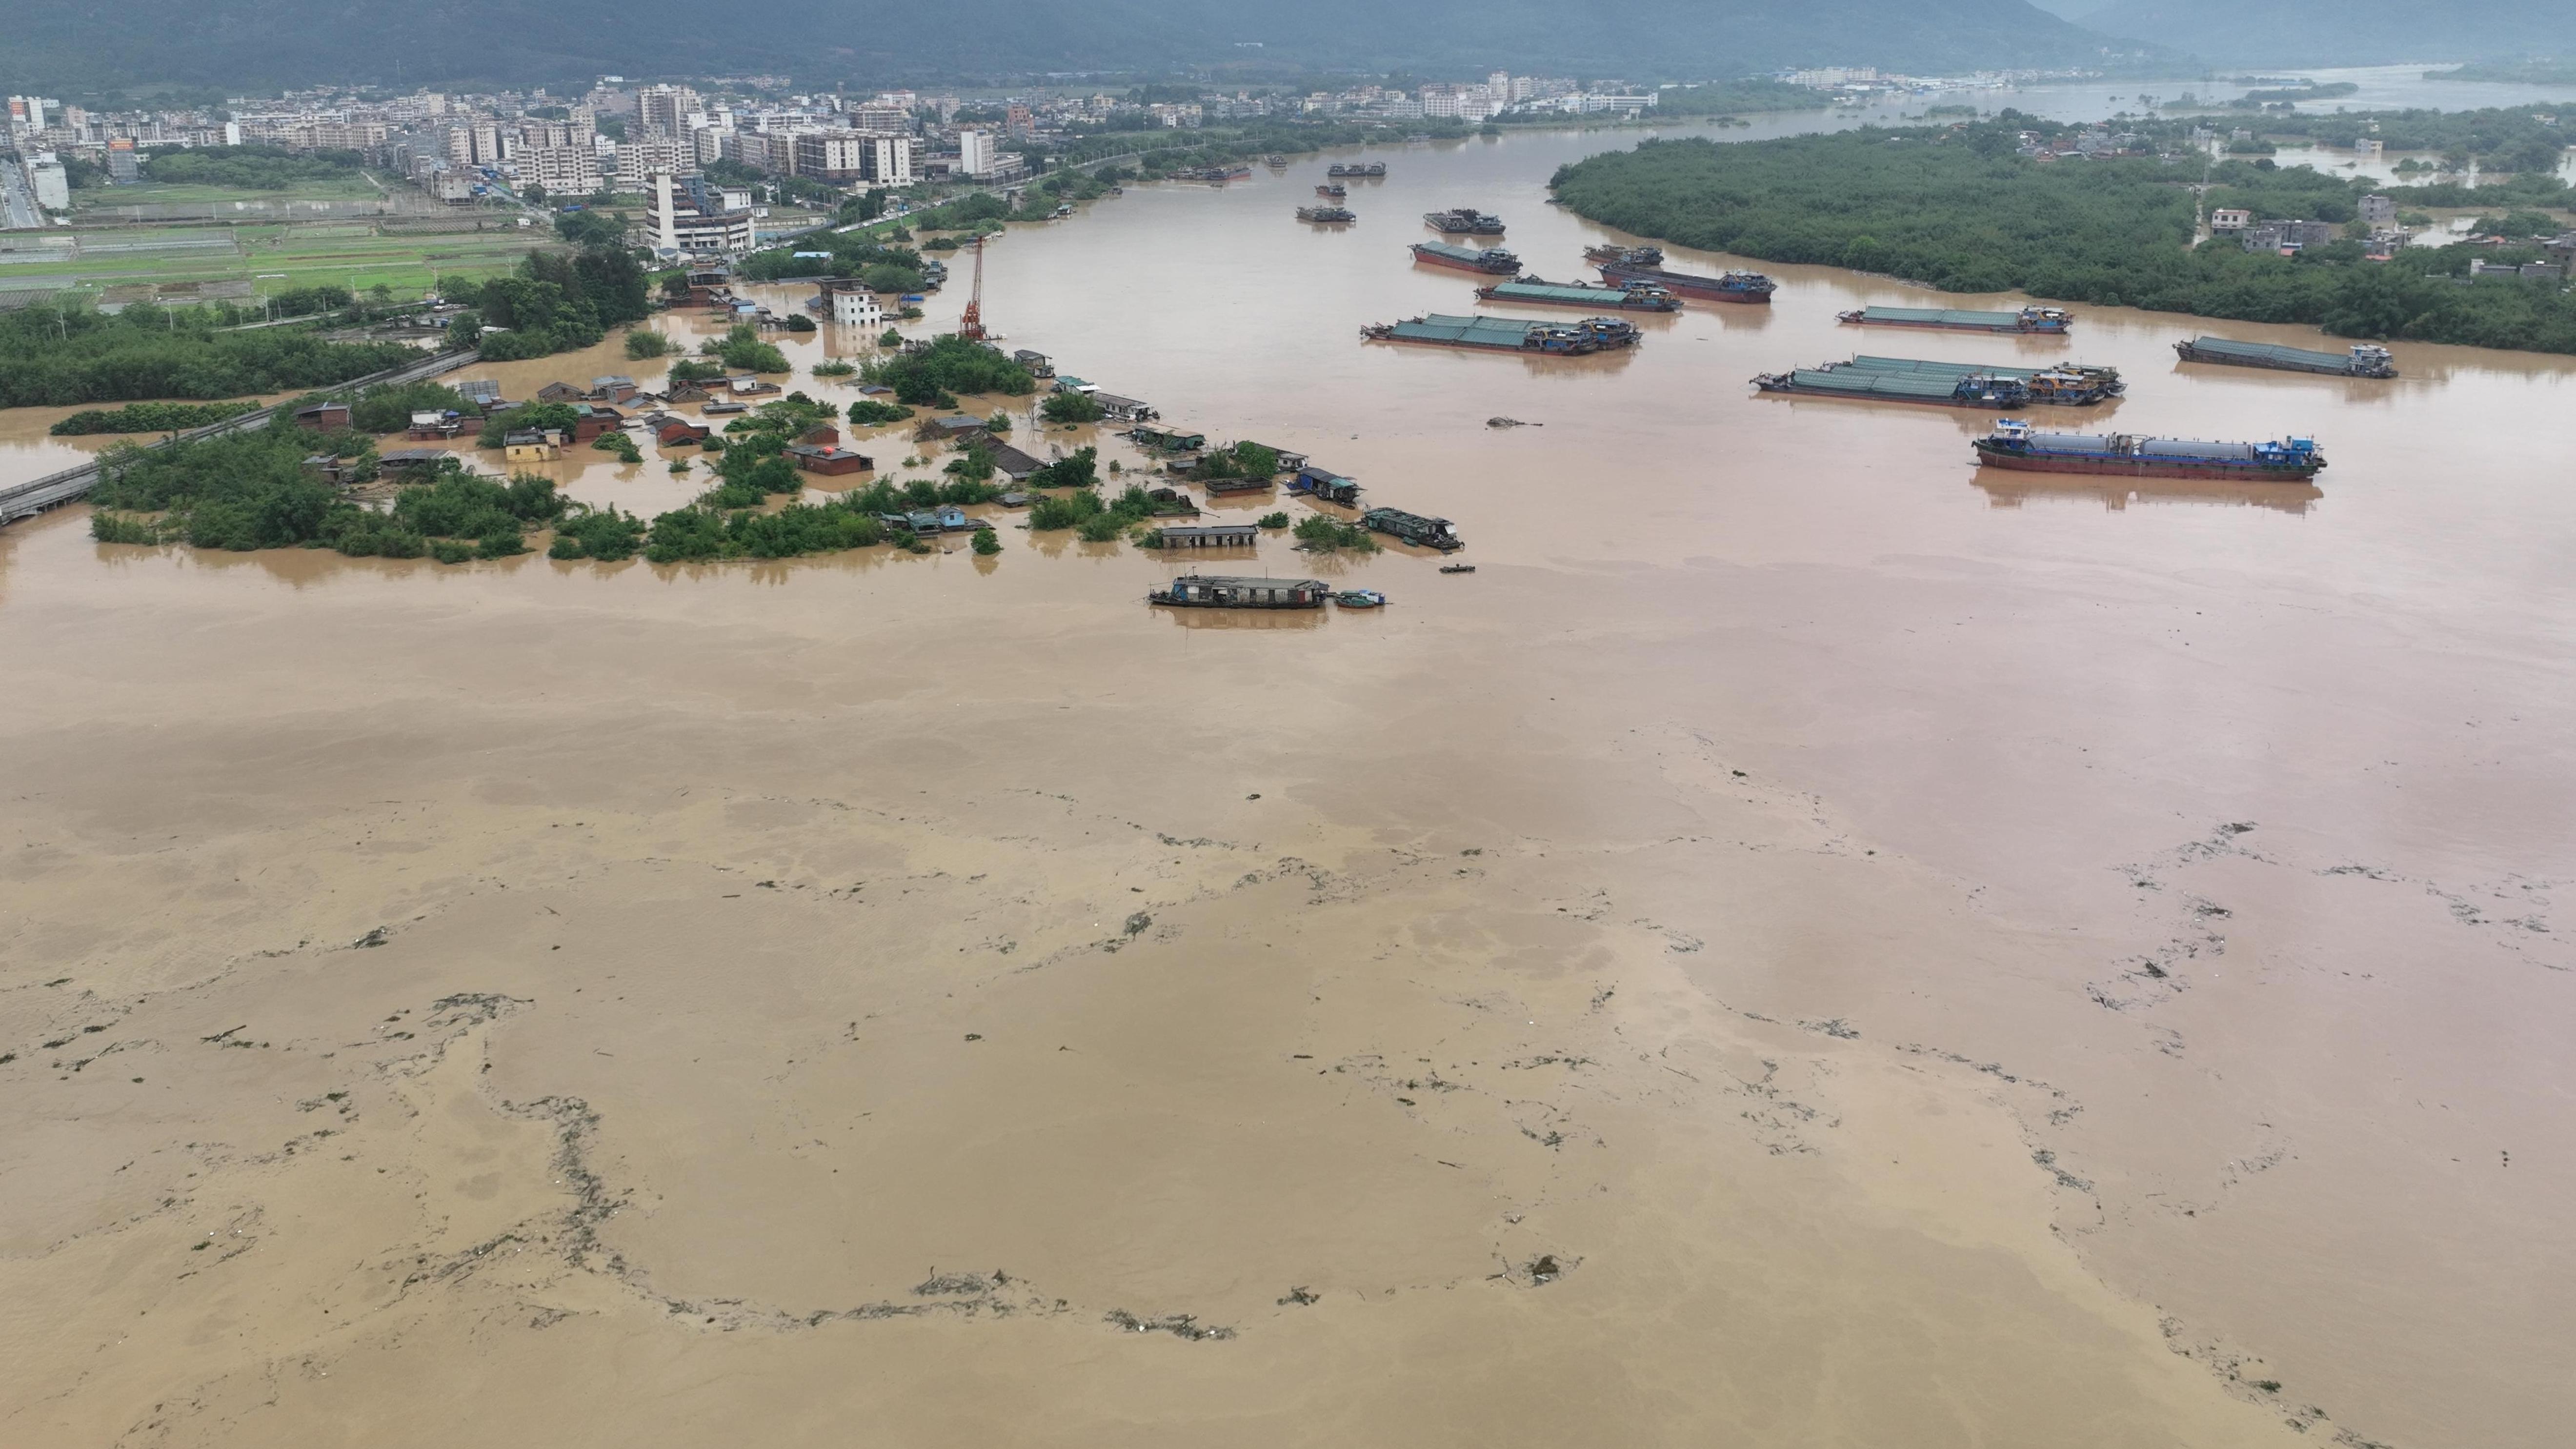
(1524, 335)
(1534, 291)
(1373, 170)
(1634, 256)
(1494, 261)
(1216, 591)
(1732, 286)
(1335, 215)
(1413, 528)
(1463, 221)
(2053, 320)
(2016, 445)
(2363, 360)
(1948, 384)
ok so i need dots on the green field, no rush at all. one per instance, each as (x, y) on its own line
(147, 193)
(281, 258)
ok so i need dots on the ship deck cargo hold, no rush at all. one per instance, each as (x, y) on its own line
(1724, 287)
(2363, 360)
(2015, 444)
(1947, 384)
(1955, 319)
(1580, 294)
(1493, 260)
(1509, 334)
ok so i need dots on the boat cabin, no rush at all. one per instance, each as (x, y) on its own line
(1167, 440)
(1219, 535)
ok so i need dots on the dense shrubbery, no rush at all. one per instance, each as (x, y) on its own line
(388, 409)
(951, 365)
(742, 350)
(253, 168)
(867, 412)
(1323, 533)
(1071, 407)
(1246, 459)
(585, 532)
(556, 303)
(644, 342)
(1959, 211)
(250, 491)
(147, 418)
(555, 417)
(51, 355)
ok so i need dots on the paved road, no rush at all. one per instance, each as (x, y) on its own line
(18, 209)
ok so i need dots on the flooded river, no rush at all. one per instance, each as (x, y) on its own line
(1807, 945)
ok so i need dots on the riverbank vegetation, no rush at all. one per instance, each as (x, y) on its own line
(742, 350)
(53, 354)
(387, 408)
(1958, 210)
(553, 302)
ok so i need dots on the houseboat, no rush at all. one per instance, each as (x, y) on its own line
(1218, 591)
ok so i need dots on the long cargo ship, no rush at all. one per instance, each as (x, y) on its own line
(1540, 293)
(2015, 444)
(2363, 360)
(1724, 287)
(1491, 260)
(1328, 214)
(1634, 256)
(1949, 384)
(1464, 221)
(1510, 334)
(1953, 319)
(1370, 170)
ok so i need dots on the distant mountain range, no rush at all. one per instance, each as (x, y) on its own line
(60, 46)
(2230, 33)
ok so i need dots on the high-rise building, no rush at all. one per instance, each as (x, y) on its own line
(124, 168)
(666, 108)
(835, 156)
(888, 161)
(975, 153)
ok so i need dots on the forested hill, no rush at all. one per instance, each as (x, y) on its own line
(1959, 210)
(2354, 32)
(64, 46)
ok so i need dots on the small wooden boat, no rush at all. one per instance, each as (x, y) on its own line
(1457, 568)
(1360, 599)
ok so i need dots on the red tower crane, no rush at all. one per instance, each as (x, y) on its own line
(971, 326)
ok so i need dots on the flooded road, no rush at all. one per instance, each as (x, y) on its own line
(1806, 945)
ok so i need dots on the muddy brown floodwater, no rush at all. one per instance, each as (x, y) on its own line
(1806, 946)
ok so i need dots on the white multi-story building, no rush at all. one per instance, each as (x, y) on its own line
(562, 170)
(666, 108)
(851, 304)
(889, 161)
(639, 156)
(975, 153)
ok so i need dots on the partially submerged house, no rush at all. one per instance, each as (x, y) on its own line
(828, 460)
(323, 417)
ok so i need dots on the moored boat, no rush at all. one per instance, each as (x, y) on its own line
(1631, 256)
(2015, 444)
(2363, 360)
(1463, 221)
(1510, 334)
(1730, 286)
(1954, 319)
(1491, 260)
(1368, 169)
(1327, 214)
(1334, 190)
(1948, 384)
(1643, 297)
(1216, 591)
(1360, 599)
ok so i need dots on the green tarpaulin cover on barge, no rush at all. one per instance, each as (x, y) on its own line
(1505, 332)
